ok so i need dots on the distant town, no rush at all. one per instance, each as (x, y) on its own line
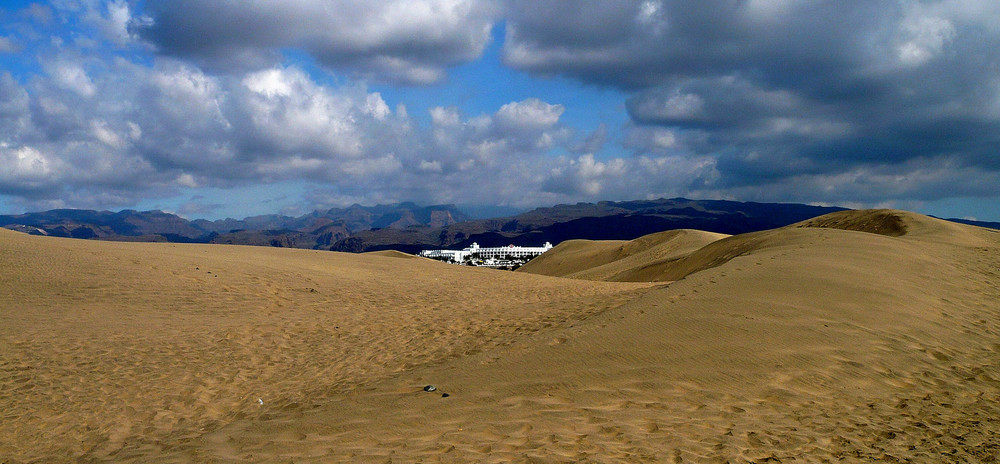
(509, 257)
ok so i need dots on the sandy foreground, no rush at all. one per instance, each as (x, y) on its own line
(822, 342)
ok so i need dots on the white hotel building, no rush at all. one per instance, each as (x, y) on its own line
(511, 251)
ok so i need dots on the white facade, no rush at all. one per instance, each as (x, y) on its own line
(491, 253)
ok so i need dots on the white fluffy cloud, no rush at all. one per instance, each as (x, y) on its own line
(294, 115)
(24, 164)
(72, 76)
(400, 40)
(146, 130)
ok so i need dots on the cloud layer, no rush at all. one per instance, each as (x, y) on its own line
(798, 100)
(810, 101)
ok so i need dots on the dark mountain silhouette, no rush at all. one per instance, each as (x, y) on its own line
(986, 224)
(410, 228)
(78, 223)
(605, 220)
(319, 229)
(353, 219)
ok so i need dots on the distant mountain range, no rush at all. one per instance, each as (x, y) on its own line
(318, 229)
(605, 220)
(410, 228)
(987, 224)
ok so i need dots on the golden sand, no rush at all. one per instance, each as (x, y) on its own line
(823, 342)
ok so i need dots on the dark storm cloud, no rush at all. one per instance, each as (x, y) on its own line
(401, 41)
(637, 44)
(793, 92)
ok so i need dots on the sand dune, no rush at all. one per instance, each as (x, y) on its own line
(114, 347)
(817, 342)
(619, 260)
(391, 254)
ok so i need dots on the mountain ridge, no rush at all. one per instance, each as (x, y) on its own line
(409, 227)
(318, 227)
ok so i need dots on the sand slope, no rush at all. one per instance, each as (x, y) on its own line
(619, 260)
(110, 348)
(808, 343)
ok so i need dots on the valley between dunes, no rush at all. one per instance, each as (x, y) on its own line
(856, 336)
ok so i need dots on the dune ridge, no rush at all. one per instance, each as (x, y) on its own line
(673, 255)
(879, 221)
(821, 341)
(619, 260)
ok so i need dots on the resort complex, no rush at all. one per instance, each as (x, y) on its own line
(509, 256)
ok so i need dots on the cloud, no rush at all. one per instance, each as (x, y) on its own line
(103, 132)
(26, 166)
(613, 43)
(8, 45)
(925, 38)
(584, 175)
(594, 142)
(194, 209)
(37, 12)
(620, 178)
(291, 114)
(528, 114)
(134, 131)
(72, 76)
(113, 20)
(524, 128)
(13, 105)
(913, 182)
(110, 102)
(399, 41)
(786, 93)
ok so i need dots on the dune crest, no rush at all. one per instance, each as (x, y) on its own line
(391, 254)
(878, 221)
(619, 260)
(643, 259)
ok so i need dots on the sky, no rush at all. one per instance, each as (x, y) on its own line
(213, 109)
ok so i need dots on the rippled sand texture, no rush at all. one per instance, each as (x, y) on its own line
(858, 336)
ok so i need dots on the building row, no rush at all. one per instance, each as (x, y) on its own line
(487, 253)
